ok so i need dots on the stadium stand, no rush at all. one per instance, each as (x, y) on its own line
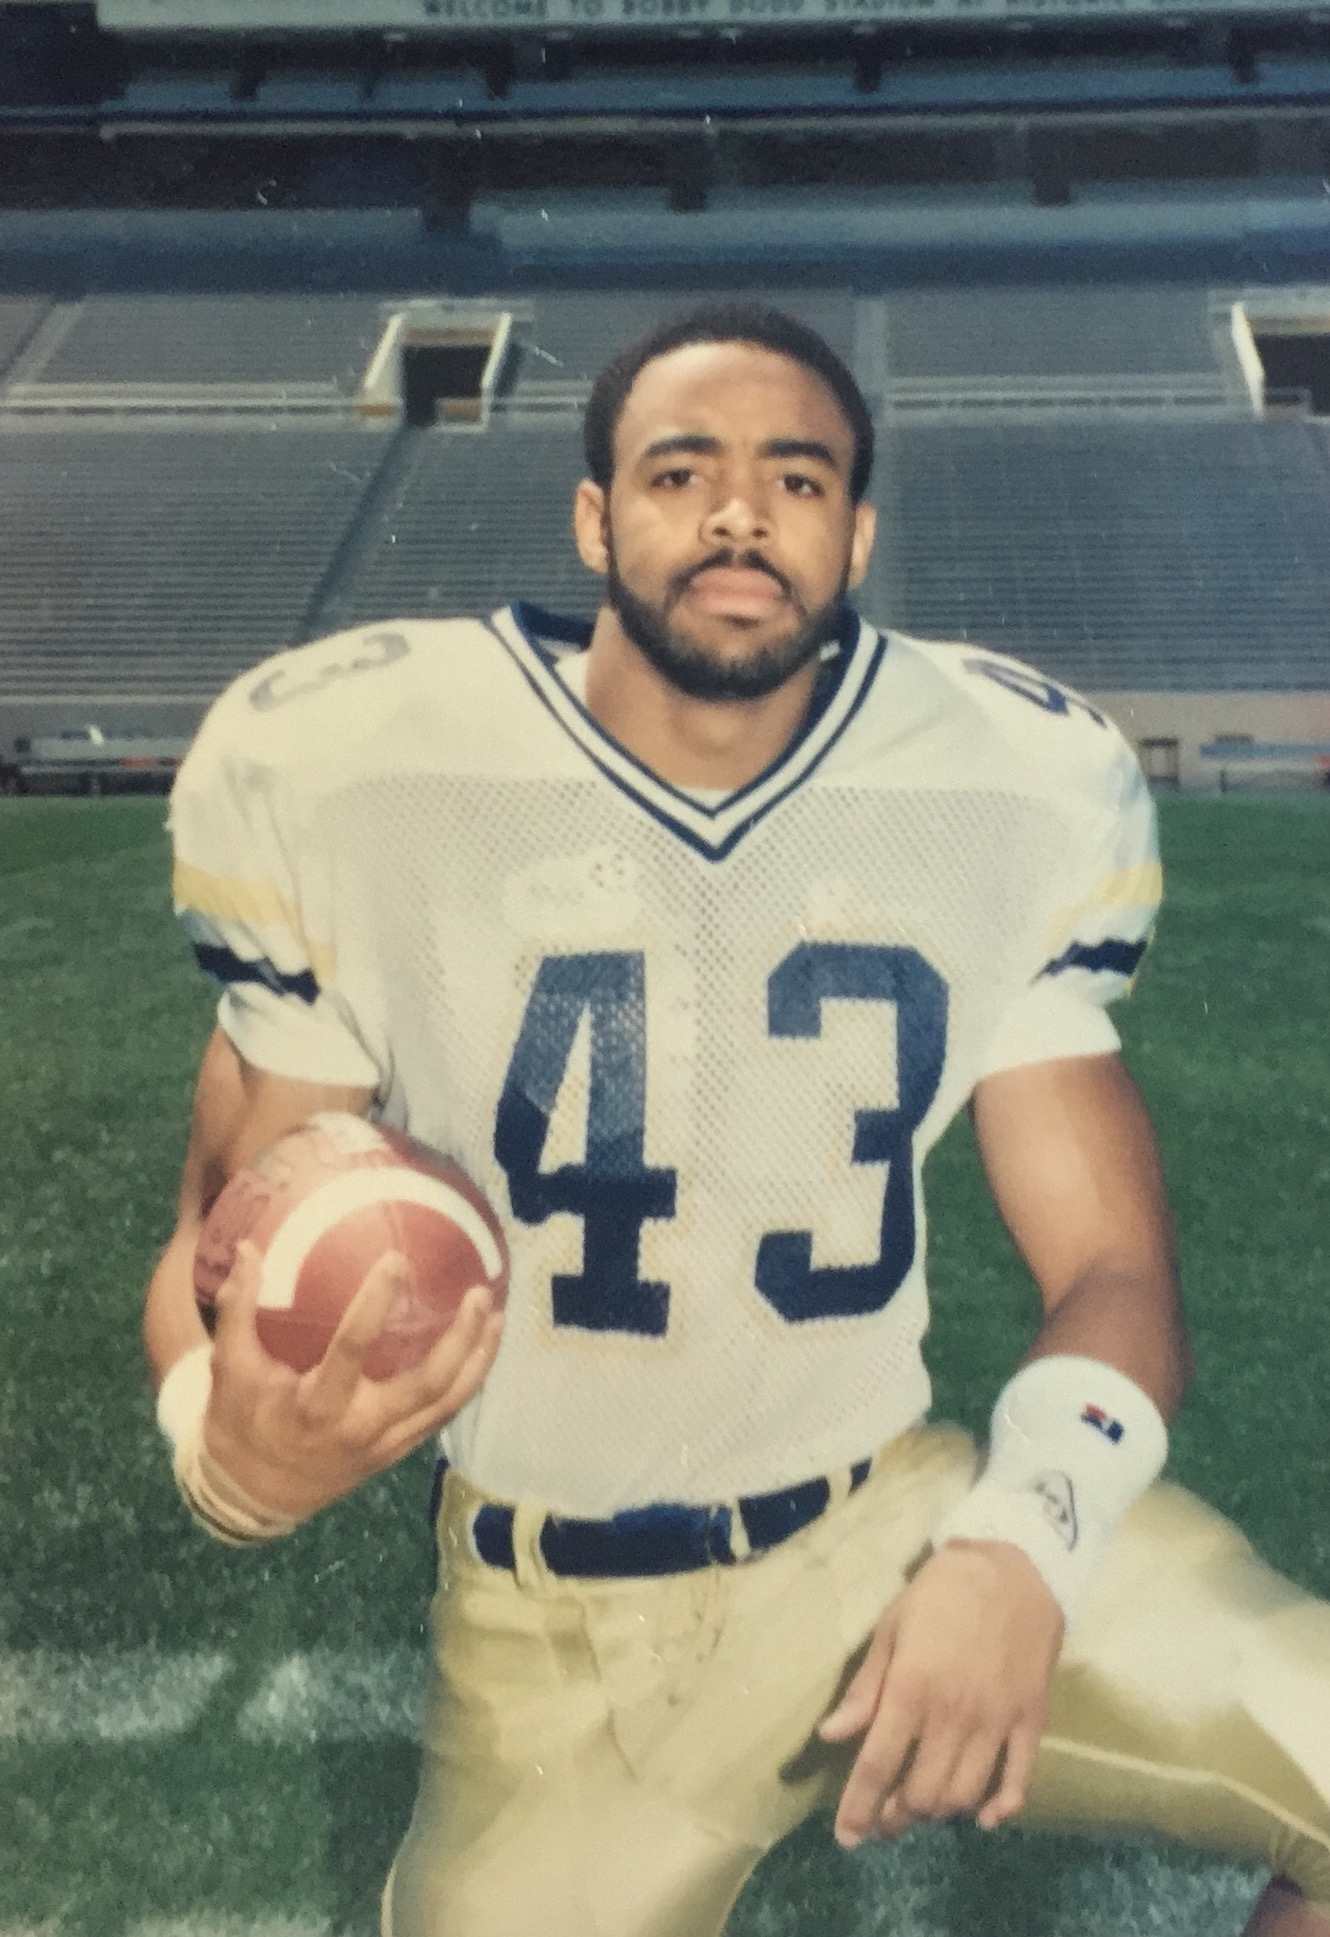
(1045, 330)
(155, 563)
(1069, 471)
(582, 331)
(19, 317)
(1124, 556)
(472, 519)
(201, 340)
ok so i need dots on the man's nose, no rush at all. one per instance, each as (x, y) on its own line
(740, 519)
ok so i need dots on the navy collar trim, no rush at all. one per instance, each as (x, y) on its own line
(537, 640)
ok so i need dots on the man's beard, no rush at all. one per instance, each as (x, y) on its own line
(700, 673)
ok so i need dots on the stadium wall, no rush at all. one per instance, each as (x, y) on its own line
(1194, 719)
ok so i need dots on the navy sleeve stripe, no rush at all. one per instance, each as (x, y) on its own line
(1122, 957)
(226, 966)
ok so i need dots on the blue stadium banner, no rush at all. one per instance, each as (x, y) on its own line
(512, 16)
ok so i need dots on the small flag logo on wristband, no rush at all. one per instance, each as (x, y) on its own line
(1096, 1416)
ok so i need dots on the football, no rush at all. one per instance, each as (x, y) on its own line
(323, 1204)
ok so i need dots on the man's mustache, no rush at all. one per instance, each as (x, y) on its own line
(730, 561)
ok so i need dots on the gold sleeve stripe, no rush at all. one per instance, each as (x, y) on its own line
(1138, 887)
(252, 903)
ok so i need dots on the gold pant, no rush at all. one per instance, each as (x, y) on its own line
(613, 1758)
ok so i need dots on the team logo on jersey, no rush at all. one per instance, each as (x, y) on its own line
(1103, 1422)
(574, 898)
(1057, 1497)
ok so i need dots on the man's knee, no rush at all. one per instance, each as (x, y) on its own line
(1194, 1699)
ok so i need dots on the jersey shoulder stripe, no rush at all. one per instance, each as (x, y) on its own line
(1122, 958)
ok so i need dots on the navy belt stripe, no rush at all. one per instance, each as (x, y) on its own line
(666, 1539)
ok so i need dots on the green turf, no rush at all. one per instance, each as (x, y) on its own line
(44, 833)
(102, 1020)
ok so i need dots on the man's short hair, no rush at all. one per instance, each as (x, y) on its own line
(769, 329)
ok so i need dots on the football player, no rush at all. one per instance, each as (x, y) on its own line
(686, 933)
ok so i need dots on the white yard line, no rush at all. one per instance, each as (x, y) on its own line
(209, 1926)
(110, 1697)
(326, 1695)
(329, 1696)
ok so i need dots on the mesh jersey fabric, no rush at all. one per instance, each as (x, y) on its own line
(694, 1054)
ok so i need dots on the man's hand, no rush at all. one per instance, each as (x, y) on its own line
(952, 1694)
(295, 1442)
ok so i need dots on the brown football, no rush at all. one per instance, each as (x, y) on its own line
(323, 1204)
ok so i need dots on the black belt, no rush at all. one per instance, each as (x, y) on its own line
(671, 1538)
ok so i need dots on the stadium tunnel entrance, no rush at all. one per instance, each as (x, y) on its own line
(441, 381)
(436, 366)
(1297, 367)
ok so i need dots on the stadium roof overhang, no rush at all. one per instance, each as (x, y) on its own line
(1044, 91)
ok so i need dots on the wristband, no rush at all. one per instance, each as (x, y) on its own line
(182, 1398)
(1073, 1443)
(218, 1504)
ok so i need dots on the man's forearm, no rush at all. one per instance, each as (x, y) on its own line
(1122, 1314)
(171, 1323)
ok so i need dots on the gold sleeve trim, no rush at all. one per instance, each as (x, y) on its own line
(1141, 886)
(253, 903)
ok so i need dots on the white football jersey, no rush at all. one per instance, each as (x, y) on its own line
(694, 1052)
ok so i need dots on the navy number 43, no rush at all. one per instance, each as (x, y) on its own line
(614, 1190)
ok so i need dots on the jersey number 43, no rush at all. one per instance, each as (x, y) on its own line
(614, 1190)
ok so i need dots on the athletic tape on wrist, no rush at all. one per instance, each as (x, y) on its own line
(218, 1504)
(1072, 1443)
(221, 1506)
(182, 1398)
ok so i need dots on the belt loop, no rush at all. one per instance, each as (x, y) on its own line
(529, 1564)
(740, 1545)
(452, 1523)
(838, 1487)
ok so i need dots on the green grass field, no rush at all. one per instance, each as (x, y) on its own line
(195, 1743)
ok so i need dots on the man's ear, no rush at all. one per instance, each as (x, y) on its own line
(590, 527)
(861, 545)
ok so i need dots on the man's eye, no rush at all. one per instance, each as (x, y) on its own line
(675, 478)
(800, 485)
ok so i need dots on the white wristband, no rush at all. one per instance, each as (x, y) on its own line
(217, 1502)
(1073, 1443)
(182, 1398)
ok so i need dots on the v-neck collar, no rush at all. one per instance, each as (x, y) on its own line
(537, 640)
